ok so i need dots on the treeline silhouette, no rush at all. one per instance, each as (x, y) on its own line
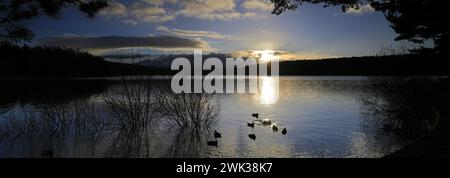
(27, 61)
(405, 64)
(399, 65)
(62, 62)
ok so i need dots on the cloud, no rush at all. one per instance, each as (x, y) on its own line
(257, 5)
(159, 2)
(140, 11)
(146, 13)
(192, 33)
(130, 22)
(282, 55)
(163, 43)
(159, 11)
(252, 15)
(209, 9)
(213, 10)
(116, 9)
(360, 10)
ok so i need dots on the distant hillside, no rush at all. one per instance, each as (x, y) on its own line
(59, 62)
(165, 61)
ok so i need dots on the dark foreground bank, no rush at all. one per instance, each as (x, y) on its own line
(435, 144)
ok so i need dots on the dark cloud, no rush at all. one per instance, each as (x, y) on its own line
(111, 42)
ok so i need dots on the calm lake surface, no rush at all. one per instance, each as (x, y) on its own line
(324, 117)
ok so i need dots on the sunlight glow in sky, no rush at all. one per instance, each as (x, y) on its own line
(226, 26)
(266, 55)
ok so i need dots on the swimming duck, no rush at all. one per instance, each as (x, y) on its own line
(255, 115)
(251, 124)
(274, 128)
(284, 131)
(217, 134)
(266, 122)
(252, 136)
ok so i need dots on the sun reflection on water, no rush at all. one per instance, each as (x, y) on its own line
(268, 90)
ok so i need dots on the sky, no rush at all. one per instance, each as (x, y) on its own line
(225, 26)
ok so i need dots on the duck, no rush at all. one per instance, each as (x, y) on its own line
(266, 122)
(256, 115)
(252, 136)
(251, 124)
(274, 128)
(284, 131)
(217, 134)
(212, 143)
(47, 153)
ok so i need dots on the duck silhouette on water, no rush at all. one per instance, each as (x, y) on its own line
(252, 136)
(214, 142)
(255, 115)
(217, 134)
(274, 128)
(251, 124)
(263, 122)
(266, 122)
(284, 131)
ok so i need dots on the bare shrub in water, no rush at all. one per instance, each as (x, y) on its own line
(56, 115)
(55, 126)
(132, 105)
(187, 110)
(19, 124)
(81, 127)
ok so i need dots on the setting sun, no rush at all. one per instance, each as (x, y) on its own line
(266, 55)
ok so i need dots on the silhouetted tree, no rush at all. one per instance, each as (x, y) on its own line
(13, 14)
(419, 21)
